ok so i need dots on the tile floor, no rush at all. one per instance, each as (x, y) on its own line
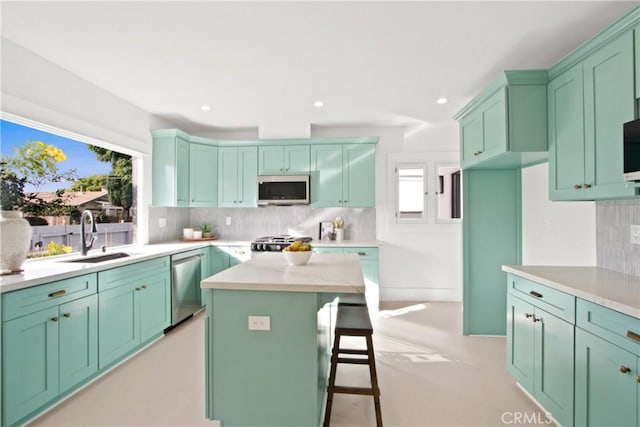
(429, 375)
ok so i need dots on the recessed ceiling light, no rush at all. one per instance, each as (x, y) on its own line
(318, 104)
(205, 108)
(441, 100)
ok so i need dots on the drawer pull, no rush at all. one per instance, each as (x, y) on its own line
(57, 293)
(362, 253)
(625, 369)
(67, 315)
(633, 336)
(535, 294)
(54, 318)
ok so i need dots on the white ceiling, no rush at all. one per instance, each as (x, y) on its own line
(264, 64)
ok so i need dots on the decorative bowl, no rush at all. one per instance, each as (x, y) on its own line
(297, 258)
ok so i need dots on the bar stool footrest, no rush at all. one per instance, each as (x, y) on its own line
(353, 361)
(353, 390)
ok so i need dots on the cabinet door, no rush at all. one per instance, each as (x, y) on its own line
(29, 363)
(605, 395)
(471, 138)
(494, 125)
(218, 259)
(270, 160)
(636, 33)
(154, 295)
(609, 102)
(78, 341)
(554, 365)
(326, 175)
(520, 341)
(296, 159)
(118, 324)
(566, 135)
(227, 177)
(358, 175)
(182, 172)
(247, 177)
(203, 175)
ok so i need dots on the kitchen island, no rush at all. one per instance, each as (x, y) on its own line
(272, 369)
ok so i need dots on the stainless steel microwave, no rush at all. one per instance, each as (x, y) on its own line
(631, 150)
(283, 190)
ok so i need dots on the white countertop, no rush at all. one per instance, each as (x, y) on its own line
(269, 271)
(617, 291)
(49, 269)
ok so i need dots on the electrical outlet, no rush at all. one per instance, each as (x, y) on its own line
(228, 220)
(635, 234)
(162, 222)
(259, 323)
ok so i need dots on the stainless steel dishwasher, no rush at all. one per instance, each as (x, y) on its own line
(185, 285)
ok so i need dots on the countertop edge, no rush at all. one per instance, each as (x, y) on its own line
(619, 306)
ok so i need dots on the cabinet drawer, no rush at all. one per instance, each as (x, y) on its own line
(551, 300)
(613, 326)
(365, 253)
(30, 300)
(127, 274)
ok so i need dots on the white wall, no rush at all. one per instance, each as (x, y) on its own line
(555, 233)
(417, 261)
(62, 103)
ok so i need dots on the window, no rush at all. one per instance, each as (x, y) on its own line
(411, 190)
(53, 178)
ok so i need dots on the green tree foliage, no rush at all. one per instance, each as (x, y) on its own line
(89, 183)
(120, 180)
(36, 164)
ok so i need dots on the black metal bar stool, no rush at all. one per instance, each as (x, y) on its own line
(353, 321)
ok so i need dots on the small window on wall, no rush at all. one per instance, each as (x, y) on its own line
(411, 191)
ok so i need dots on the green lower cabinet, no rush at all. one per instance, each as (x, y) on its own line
(540, 356)
(29, 363)
(607, 388)
(131, 314)
(78, 341)
(46, 354)
(118, 320)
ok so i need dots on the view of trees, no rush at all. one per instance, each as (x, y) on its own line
(37, 163)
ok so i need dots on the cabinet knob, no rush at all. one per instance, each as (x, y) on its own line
(144, 286)
(586, 186)
(537, 319)
(54, 318)
(137, 289)
(625, 369)
(67, 315)
(577, 186)
(528, 316)
(638, 379)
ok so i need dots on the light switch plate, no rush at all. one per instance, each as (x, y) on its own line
(228, 220)
(259, 323)
(635, 234)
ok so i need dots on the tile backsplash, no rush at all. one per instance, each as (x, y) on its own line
(249, 223)
(613, 235)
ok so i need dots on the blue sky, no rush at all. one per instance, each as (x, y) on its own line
(79, 157)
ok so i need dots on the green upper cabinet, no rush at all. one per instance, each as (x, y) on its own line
(506, 125)
(170, 165)
(283, 160)
(343, 175)
(237, 177)
(566, 135)
(184, 173)
(203, 175)
(637, 56)
(592, 92)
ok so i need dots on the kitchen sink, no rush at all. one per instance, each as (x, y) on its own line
(99, 258)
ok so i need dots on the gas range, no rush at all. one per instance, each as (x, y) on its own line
(275, 243)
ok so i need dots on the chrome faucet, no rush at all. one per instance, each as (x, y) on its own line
(90, 236)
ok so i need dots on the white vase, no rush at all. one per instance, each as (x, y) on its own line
(15, 239)
(339, 233)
